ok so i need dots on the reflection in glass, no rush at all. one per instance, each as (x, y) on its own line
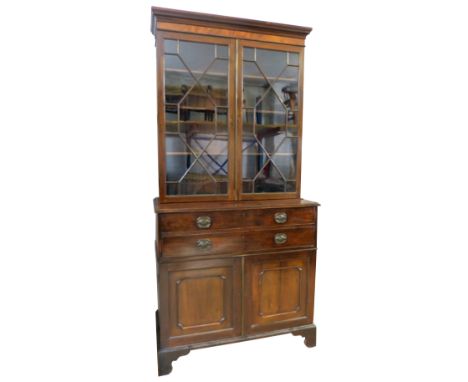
(196, 117)
(270, 107)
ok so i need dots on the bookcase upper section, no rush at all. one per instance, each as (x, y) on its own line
(230, 96)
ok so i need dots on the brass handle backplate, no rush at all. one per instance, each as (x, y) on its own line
(203, 222)
(281, 238)
(281, 217)
(204, 244)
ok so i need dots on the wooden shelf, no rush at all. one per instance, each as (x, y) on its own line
(184, 71)
(218, 74)
(275, 79)
(197, 123)
(269, 126)
(262, 154)
(266, 111)
(195, 94)
(183, 153)
(198, 177)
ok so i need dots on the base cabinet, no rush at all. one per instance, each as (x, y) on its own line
(223, 285)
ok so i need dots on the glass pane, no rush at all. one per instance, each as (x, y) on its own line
(285, 158)
(293, 59)
(171, 46)
(221, 116)
(222, 51)
(271, 62)
(196, 117)
(286, 85)
(255, 84)
(197, 56)
(178, 79)
(215, 82)
(248, 115)
(269, 120)
(249, 54)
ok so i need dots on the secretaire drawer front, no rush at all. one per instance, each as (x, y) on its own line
(281, 217)
(197, 245)
(199, 221)
(280, 238)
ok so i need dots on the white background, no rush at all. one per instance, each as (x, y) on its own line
(385, 152)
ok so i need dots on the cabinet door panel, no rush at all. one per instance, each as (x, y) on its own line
(270, 119)
(279, 290)
(203, 301)
(196, 114)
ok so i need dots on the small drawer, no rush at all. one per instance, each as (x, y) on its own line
(281, 217)
(199, 221)
(280, 238)
(196, 245)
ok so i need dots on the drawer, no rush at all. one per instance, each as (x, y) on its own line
(280, 217)
(280, 238)
(200, 221)
(196, 245)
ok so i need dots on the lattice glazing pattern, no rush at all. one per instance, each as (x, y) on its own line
(269, 125)
(196, 117)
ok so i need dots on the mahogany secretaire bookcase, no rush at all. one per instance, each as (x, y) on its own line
(235, 243)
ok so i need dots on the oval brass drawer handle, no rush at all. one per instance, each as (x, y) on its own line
(281, 238)
(203, 222)
(281, 217)
(204, 244)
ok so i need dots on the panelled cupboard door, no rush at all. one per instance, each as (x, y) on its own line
(202, 301)
(196, 93)
(279, 291)
(269, 119)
